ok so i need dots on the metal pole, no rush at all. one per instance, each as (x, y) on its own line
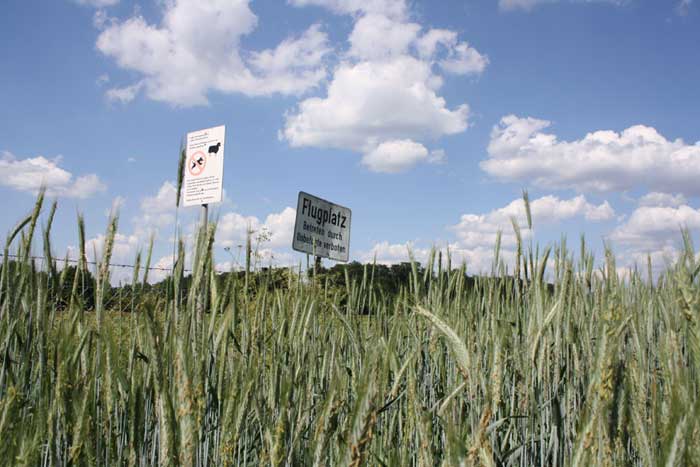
(202, 300)
(205, 215)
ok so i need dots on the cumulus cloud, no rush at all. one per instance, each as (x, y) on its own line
(476, 233)
(271, 238)
(478, 260)
(277, 227)
(653, 230)
(124, 94)
(271, 235)
(662, 199)
(385, 88)
(305, 51)
(162, 267)
(196, 49)
(373, 29)
(123, 250)
(368, 103)
(294, 65)
(480, 230)
(163, 201)
(31, 173)
(463, 60)
(638, 157)
(156, 212)
(395, 156)
(393, 253)
(656, 227)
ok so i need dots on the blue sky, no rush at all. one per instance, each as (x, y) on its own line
(428, 119)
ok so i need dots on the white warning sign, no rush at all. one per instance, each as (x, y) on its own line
(204, 167)
(322, 228)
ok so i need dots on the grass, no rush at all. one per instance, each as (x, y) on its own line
(511, 370)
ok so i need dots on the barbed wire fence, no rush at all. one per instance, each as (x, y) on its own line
(124, 290)
(93, 263)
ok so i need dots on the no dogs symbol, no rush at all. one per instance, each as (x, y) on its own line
(197, 163)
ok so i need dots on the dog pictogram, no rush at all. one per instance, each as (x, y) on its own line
(197, 163)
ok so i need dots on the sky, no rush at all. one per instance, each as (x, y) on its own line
(427, 119)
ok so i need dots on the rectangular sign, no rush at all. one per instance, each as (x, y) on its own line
(204, 167)
(322, 228)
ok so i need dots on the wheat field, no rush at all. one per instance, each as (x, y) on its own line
(557, 362)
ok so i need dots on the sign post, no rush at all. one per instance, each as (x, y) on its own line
(204, 169)
(322, 228)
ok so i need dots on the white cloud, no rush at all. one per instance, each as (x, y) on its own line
(156, 212)
(399, 155)
(395, 156)
(393, 253)
(459, 58)
(180, 62)
(654, 231)
(232, 227)
(163, 201)
(638, 157)
(305, 51)
(376, 37)
(123, 250)
(476, 233)
(368, 103)
(125, 94)
(654, 227)
(464, 60)
(427, 45)
(294, 65)
(271, 238)
(385, 88)
(480, 230)
(477, 259)
(662, 199)
(281, 226)
(163, 266)
(31, 173)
